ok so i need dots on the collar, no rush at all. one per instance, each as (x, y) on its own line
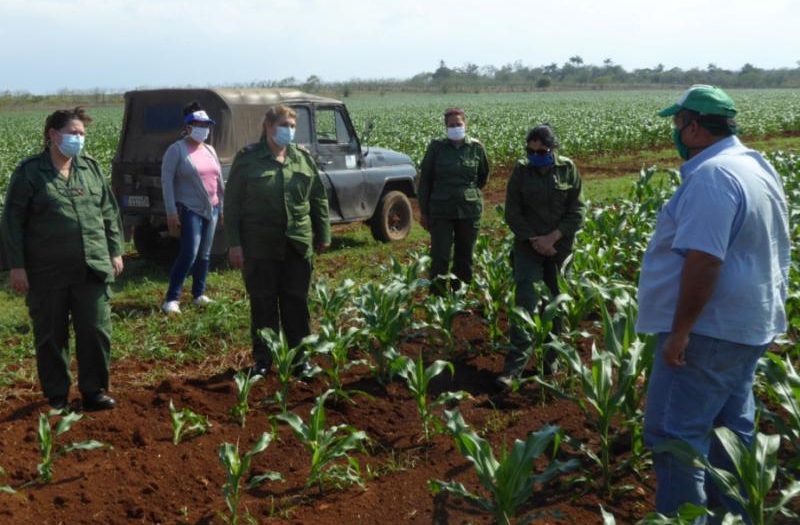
(266, 153)
(46, 163)
(688, 167)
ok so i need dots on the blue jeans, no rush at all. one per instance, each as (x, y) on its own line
(197, 235)
(714, 388)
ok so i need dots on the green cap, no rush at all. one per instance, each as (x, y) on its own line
(706, 100)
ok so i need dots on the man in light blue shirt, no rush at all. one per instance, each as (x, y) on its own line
(712, 286)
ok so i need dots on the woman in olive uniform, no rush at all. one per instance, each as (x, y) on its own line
(544, 211)
(62, 236)
(452, 174)
(276, 218)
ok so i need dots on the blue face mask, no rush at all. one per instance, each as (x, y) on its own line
(71, 144)
(283, 136)
(541, 161)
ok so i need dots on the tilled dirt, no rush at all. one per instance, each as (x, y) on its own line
(143, 478)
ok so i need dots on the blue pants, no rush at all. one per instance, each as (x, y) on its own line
(714, 388)
(197, 235)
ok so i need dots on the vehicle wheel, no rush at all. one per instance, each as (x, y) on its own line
(392, 218)
(153, 245)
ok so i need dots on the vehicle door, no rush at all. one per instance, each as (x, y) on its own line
(339, 157)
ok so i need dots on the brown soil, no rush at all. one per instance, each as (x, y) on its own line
(144, 478)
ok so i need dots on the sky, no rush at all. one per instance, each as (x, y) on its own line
(50, 45)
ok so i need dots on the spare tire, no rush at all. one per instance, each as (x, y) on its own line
(392, 218)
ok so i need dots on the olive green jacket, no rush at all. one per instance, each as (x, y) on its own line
(540, 200)
(268, 203)
(55, 228)
(451, 179)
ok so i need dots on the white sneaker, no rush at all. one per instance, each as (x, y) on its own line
(203, 300)
(171, 307)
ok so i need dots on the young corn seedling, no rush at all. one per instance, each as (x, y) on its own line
(539, 327)
(784, 386)
(418, 378)
(440, 312)
(493, 283)
(384, 316)
(410, 274)
(755, 470)
(8, 489)
(601, 399)
(327, 445)
(244, 383)
(287, 361)
(334, 346)
(50, 451)
(330, 303)
(687, 515)
(185, 422)
(509, 480)
(237, 468)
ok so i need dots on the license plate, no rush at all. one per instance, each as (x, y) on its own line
(137, 201)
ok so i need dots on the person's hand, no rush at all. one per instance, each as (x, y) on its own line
(19, 280)
(674, 350)
(117, 265)
(423, 221)
(236, 256)
(174, 225)
(321, 247)
(543, 245)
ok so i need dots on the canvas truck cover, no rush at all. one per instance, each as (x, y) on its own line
(154, 119)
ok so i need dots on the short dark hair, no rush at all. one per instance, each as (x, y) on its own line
(61, 117)
(449, 112)
(717, 125)
(191, 107)
(544, 134)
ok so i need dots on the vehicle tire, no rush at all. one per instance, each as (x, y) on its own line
(392, 219)
(153, 245)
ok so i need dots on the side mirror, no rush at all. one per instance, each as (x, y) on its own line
(368, 127)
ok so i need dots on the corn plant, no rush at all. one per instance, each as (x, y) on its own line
(186, 422)
(409, 274)
(330, 303)
(755, 469)
(539, 326)
(493, 282)
(687, 514)
(601, 398)
(327, 445)
(287, 361)
(784, 385)
(384, 316)
(237, 468)
(509, 480)
(50, 451)
(334, 346)
(8, 489)
(244, 383)
(441, 311)
(633, 356)
(417, 379)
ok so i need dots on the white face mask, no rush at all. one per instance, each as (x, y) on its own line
(456, 133)
(199, 134)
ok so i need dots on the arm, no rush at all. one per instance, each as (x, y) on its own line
(12, 229)
(483, 169)
(169, 166)
(233, 195)
(575, 208)
(515, 217)
(320, 221)
(112, 224)
(698, 280)
(426, 172)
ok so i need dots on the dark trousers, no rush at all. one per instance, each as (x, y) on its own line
(530, 268)
(456, 238)
(278, 291)
(86, 304)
